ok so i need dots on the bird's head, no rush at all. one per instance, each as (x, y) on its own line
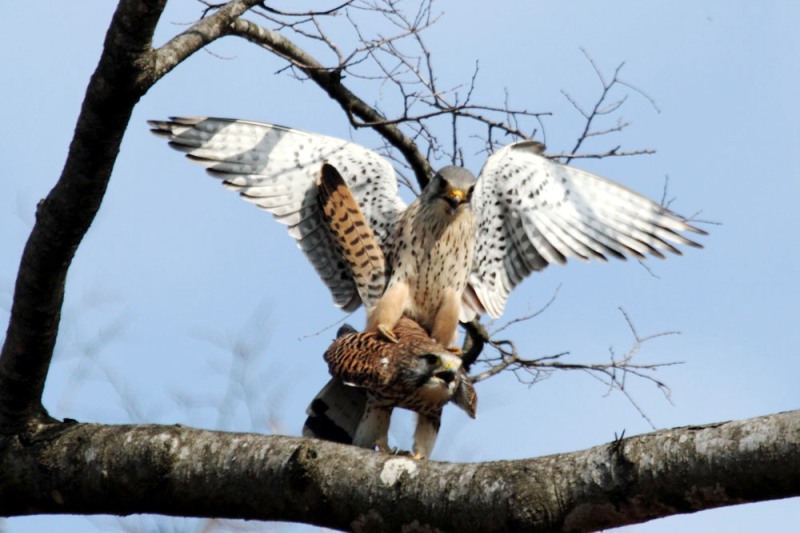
(440, 377)
(436, 374)
(453, 186)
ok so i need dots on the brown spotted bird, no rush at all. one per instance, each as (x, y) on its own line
(461, 247)
(372, 376)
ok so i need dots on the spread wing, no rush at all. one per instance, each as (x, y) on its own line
(276, 168)
(534, 211)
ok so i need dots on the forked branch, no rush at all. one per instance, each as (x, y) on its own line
(614, 374)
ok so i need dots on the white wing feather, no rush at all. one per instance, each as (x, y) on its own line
(276, 168)
(534, 211)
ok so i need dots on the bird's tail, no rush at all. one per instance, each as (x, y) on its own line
(355, 239)
(335, 412)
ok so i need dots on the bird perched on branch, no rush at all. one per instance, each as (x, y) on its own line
(372, 376)
(461, 247)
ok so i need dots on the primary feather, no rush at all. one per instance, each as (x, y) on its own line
(277, 168)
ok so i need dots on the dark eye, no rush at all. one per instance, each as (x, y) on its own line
(431, 359)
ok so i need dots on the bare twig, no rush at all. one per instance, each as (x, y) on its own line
(613, 374)
(603, 106)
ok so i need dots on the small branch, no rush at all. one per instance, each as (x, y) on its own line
(530, 371)
(602, 107)
(529, 316)
(614, 152)
(331, 11)
(197, 36)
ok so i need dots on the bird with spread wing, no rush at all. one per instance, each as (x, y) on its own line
(459, 248)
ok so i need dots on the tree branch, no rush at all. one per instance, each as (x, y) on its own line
(205, 31)
(63, 218)
(174, 470)
(126, 70)
(602, 107)
(330, 80)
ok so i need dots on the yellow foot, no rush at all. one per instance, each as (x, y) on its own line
(387, 333)
(406, 453)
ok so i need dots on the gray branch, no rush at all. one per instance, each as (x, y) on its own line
(174, 470)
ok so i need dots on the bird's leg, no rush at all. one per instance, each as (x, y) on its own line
(425, 435)
(446, 320)
(373, 429)
(388, 310)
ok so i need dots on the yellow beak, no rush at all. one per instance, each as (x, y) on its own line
(458, 194)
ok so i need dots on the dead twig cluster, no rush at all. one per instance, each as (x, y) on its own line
(614, 374)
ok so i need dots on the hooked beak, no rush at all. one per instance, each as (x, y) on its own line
(448, 372)
(448, 376)
(455, 198)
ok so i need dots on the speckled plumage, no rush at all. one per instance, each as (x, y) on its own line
(431, 257)
(415, 373)
(530, 211)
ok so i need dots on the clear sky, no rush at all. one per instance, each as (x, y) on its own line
(177, 273)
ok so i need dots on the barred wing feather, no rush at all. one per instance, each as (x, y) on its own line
(276, 168)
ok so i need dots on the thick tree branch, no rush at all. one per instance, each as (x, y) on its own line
(63, 218)
(173, 470)
(126, 70)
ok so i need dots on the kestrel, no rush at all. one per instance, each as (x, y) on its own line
(529, 211)
(372, 376)
(429, 257)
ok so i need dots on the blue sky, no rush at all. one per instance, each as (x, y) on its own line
(176, 272)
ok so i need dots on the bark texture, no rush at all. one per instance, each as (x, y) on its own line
(173, 470)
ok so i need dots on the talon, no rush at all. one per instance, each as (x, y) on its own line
(405, 453)
(387, 333)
